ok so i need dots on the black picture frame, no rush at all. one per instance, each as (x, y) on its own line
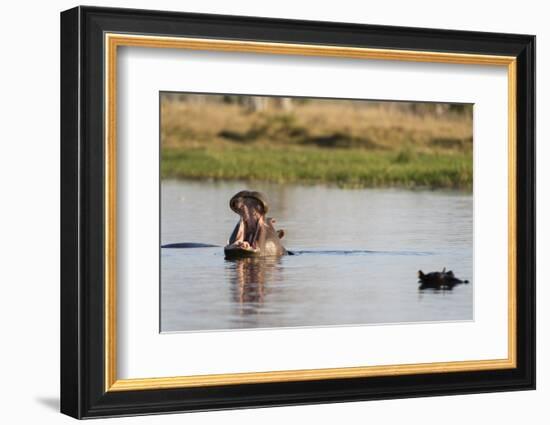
(83, 392)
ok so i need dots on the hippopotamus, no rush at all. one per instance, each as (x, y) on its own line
(255, 234)
(438, 280)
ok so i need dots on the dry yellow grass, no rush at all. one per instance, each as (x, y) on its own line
(380, 126)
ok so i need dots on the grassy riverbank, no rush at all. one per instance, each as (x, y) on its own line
(343, 167)
(342, 144)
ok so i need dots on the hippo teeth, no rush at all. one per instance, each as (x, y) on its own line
(248, 233)
(251, 233)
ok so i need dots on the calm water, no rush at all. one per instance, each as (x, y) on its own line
(358, 253)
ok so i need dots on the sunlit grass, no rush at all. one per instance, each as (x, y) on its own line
(342, 167)
(317, 142)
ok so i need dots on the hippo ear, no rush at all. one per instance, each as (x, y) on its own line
(281, 233)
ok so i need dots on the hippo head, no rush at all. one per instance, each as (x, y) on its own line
(254, 235)
(247, 201)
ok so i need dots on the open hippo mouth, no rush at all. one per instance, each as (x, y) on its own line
(254, 235)
(252, 207)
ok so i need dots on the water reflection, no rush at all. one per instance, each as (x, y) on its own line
(248, 278)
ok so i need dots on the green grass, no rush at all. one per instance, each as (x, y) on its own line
(320, 141)
(344, 167)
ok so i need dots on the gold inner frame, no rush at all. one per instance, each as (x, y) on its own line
(113, 41)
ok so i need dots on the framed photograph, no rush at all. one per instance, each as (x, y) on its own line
(261, 212)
